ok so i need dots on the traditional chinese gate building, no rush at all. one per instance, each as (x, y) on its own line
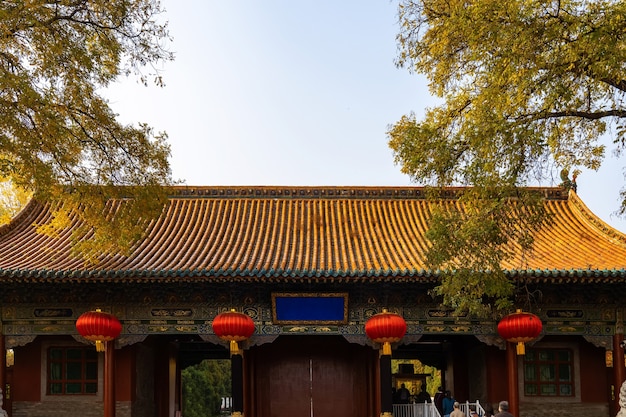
(310, 265)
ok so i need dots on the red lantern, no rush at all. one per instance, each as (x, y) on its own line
(385, 328)
(233, 327)
(98, 327)
(520, 328)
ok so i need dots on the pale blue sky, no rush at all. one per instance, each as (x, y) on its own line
(281, 92)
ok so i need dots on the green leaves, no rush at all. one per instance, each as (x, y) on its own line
(12, 200)
(472, 237)
(527, 89)
(520, 68)
(204, 386)
(59, 137)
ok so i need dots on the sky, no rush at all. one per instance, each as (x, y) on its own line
(298, 93)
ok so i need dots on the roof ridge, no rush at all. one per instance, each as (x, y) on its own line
(31, 206)
(586, 215)
(336, 192)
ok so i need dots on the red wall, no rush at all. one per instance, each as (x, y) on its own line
(496, 374)
(125, 375)
(593, 385)
(27, 382)
(27, 373)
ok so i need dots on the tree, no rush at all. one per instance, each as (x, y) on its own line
(11, 201)
(432, 382)
(59, 138)
(526, 87)
(204, 386)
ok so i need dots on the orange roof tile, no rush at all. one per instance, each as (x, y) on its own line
(320, 233)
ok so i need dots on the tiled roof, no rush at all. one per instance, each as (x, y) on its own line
(305, 233)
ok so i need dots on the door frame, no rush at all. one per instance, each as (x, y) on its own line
(294, 343)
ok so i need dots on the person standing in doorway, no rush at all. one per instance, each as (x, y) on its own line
(456, 410)
(423, 396)
(403, 395)
(503, 409)
(447, 404)
(439, 400)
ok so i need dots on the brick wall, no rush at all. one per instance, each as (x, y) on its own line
(569, 409)
(74, 408)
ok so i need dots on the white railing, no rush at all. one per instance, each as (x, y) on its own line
(227, 404)
(415, 410)
(467, 407)
(429, 410)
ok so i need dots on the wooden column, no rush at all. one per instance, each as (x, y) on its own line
(236, 367)
(3, 361)
(3, 373)
(618, 360)
(386, 394)
(109, 379)
(511, 371)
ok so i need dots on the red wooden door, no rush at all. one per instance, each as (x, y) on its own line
(308, 376)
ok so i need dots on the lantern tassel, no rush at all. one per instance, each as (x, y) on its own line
(386, 348)
(521, 350)
(99, 346)
(234, 348)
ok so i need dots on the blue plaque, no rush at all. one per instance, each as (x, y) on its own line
(304, 308)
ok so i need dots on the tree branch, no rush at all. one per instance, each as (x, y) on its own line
(577, 113)
(619, 84)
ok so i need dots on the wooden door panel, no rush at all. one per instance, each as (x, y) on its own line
(290, 389)
(284, 381)
(332, 387)
(339, 385)
(311, 376)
